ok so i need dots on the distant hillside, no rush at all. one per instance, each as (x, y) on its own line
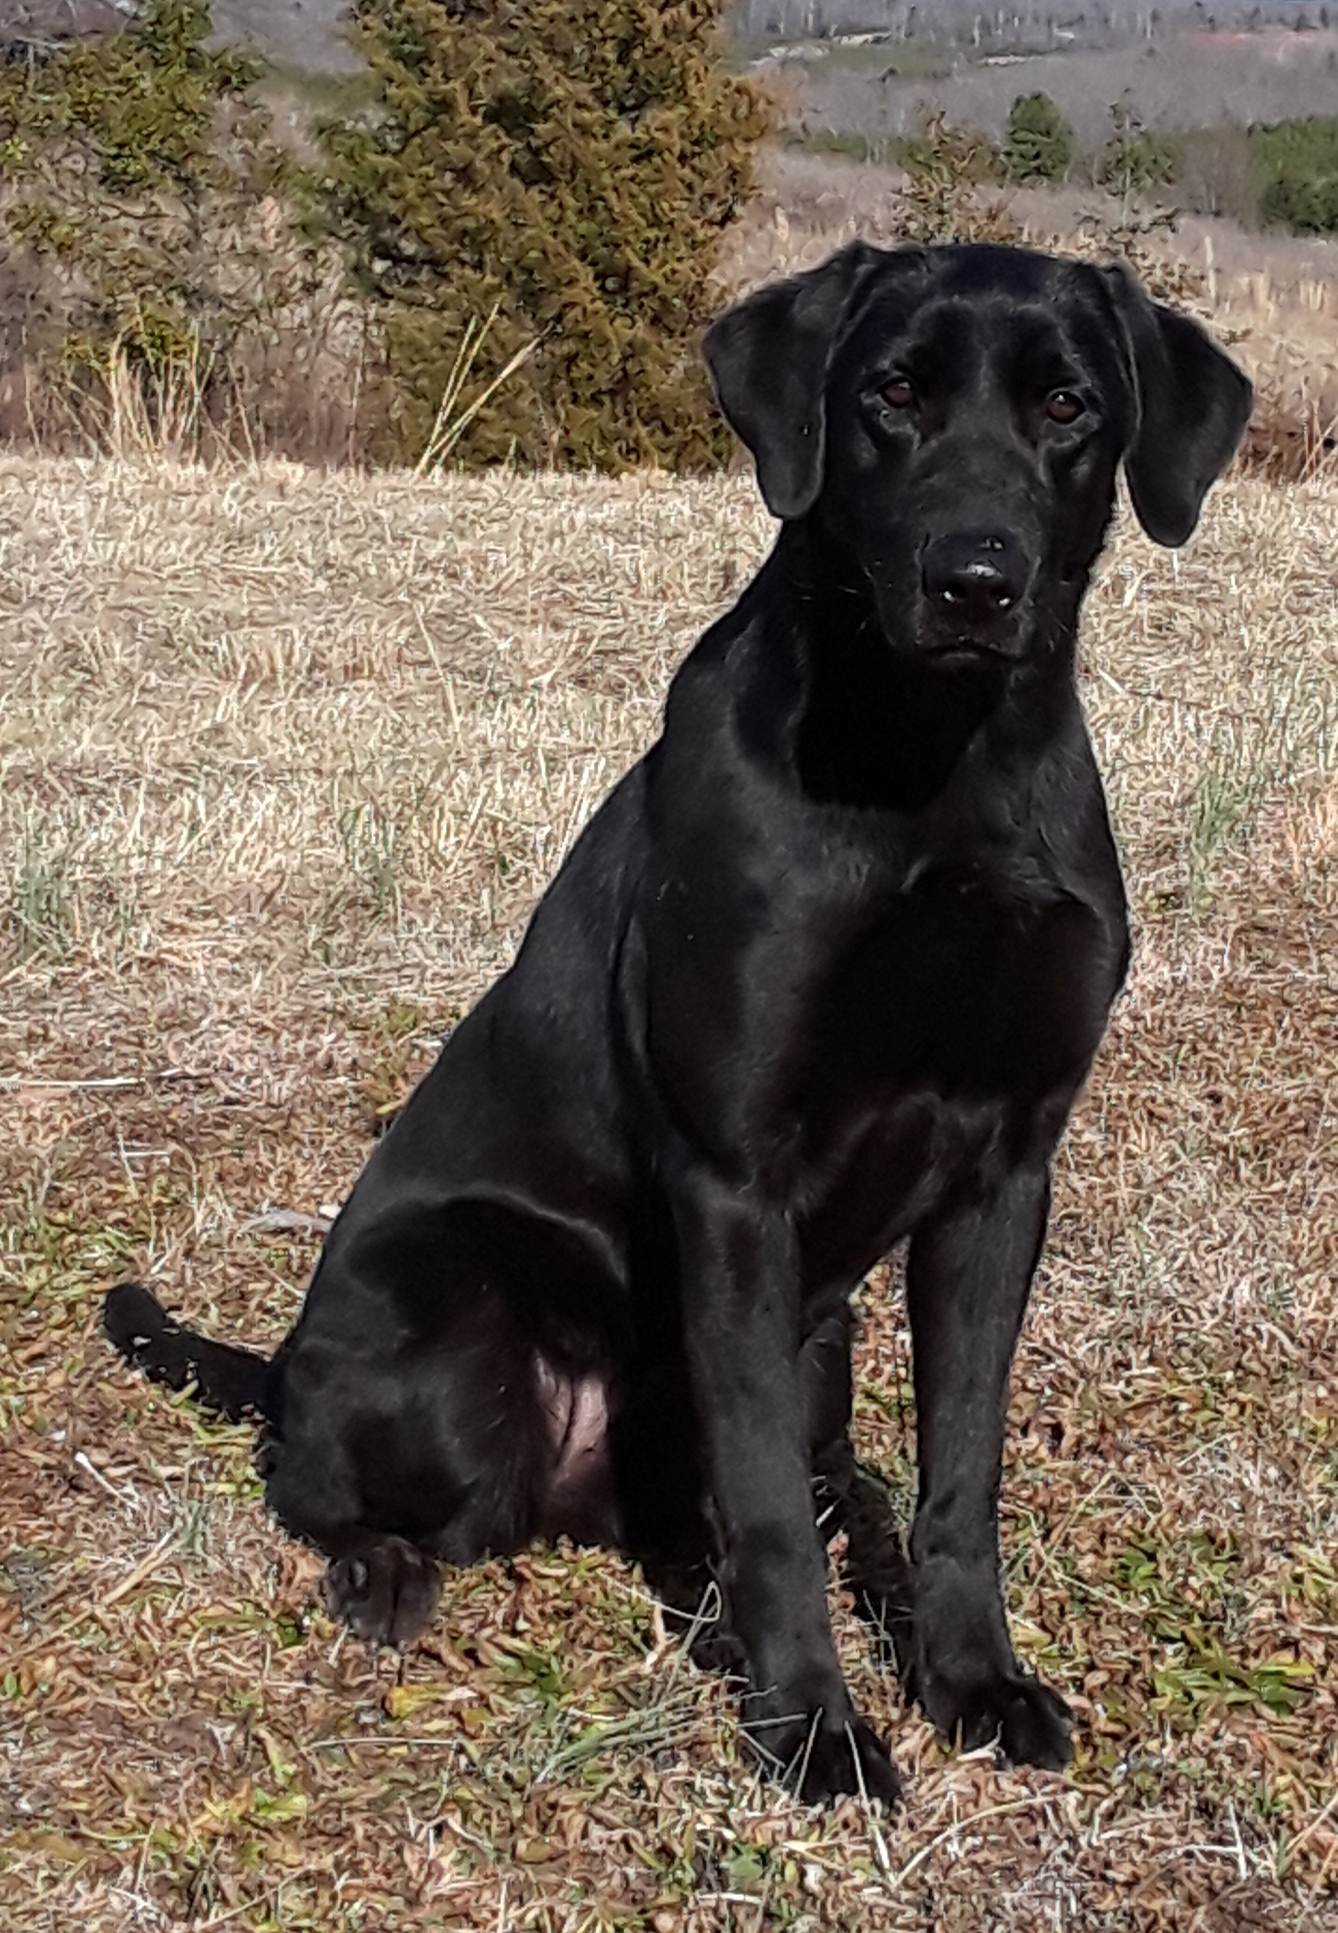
(872, 67)
(45, 23)
(1027, 25)
(1193, 79)
(309, 34)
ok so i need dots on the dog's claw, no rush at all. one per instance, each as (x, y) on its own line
(1031, 1723)
(1037, 1727)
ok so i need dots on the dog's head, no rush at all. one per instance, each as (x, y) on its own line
(954, 419)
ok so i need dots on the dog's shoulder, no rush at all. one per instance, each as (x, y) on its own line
(729, 710)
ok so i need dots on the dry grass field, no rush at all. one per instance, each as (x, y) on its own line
(285, 759)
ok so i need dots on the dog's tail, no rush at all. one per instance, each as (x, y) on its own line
(235, 1382)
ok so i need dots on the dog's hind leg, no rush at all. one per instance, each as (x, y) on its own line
(381, 1585)
(876, 1566)
(390, 1463)
(662, 1506)
(846, 1496)
(428, 1414)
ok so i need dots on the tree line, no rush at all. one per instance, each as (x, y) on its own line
(1292, 167)
(1020, 28)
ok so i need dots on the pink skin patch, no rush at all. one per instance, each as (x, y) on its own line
(576, 1410)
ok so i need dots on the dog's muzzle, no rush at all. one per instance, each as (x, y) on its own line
(973, 583)
(974, 578)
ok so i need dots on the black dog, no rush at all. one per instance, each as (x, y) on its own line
(826, 970)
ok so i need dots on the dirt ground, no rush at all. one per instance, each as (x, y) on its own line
(285, 758)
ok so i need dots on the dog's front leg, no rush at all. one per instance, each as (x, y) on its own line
(741, 1308)
(967, 1278)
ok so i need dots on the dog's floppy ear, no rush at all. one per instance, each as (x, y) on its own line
(768, 357)
(1193, 403)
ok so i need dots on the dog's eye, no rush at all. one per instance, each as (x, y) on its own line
(1062, 406)
(897, 394)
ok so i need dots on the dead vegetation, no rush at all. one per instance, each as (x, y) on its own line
(284, 760)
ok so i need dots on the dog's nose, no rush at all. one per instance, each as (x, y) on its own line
(974, 577)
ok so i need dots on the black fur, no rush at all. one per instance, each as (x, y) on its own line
(235, 1382)
(825, 972)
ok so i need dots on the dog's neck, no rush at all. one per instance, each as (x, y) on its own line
(872, 726)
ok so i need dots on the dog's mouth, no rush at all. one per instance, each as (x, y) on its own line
(969, 647)
(939, 636)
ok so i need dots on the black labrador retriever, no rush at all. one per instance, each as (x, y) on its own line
(826, 970)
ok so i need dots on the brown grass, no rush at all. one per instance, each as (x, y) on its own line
(284, 760)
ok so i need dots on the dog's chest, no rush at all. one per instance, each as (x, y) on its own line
(964, 984)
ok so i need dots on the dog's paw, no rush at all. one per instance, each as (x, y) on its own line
(852, 1761)
(1036, 1726)
(693, 1600)
(386, 1592)
(961, 1670)
(1030, 1723)
(821, 1760)
(717, 1649)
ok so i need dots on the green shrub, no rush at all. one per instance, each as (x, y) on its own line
(962, 156)
(1136, 160)
(947, 168)
(1038, 141)
(534, 205)
(147, 224)
(1298, 167)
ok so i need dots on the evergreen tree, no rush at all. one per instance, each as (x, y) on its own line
(137, 165)
(1297, 163)
(1137, 159)
(1038, 142)
(535, 203)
